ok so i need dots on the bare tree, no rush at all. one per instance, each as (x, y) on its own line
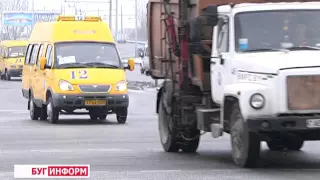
(13, 32)
(142, 19)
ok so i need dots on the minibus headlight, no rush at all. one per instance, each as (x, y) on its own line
(65, 85)
(121, 86)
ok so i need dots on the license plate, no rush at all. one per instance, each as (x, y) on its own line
(313, 123)
(95, 102)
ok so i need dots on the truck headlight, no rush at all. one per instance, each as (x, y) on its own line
(65, 85)
(121, 86)
(257, 101)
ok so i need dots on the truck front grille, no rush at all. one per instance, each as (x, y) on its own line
(303, 92)
(95, 88)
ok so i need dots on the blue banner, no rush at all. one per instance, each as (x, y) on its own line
(25, 18)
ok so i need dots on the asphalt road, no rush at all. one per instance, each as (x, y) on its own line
(132, 150)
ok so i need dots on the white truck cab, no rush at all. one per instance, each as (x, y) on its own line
(251, 70)
(265, 76)
(144, 57)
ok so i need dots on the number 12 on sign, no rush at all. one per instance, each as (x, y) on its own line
(80, 74)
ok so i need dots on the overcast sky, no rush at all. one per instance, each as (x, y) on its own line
(91, 7)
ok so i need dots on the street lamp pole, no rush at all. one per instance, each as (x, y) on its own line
(33, 19)
(110, 15)
(117, 2)
(136, 29)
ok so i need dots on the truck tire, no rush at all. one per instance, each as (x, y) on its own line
(191, 146)
(167, 132)
(245, 144)
(53, 112)
(34, 111)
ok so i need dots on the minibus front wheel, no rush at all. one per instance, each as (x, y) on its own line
(7, 76)
(122, 114)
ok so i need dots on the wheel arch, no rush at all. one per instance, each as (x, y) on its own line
(49, 93)
(228, 102)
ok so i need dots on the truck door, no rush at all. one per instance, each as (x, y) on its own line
(220, 61)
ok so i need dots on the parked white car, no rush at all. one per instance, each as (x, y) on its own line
(144, 64)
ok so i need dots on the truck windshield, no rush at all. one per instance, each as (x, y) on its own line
(277, 29)
(87, 54)
(17, 51)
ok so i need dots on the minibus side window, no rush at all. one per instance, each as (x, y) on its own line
(28, 54)
(39, 54)
(49, 55)
(34, 54)
(6, 54)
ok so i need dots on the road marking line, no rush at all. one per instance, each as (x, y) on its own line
(74, 150)
(49, 150)
(12, 110)
(157, 171)
(112, 150)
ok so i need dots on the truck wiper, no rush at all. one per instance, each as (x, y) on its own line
(266, 50)
(72, 65)
(101, 65)
(297, 48)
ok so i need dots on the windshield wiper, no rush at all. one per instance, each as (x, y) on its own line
(72, 65)
(297, 48)
(101, 65)
(266, 50)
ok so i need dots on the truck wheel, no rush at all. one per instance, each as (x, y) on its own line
(190, 146)
(245, 144)
(166, 130)
(35, 111)
(141, 71)
(122, 115)
(53, 112)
